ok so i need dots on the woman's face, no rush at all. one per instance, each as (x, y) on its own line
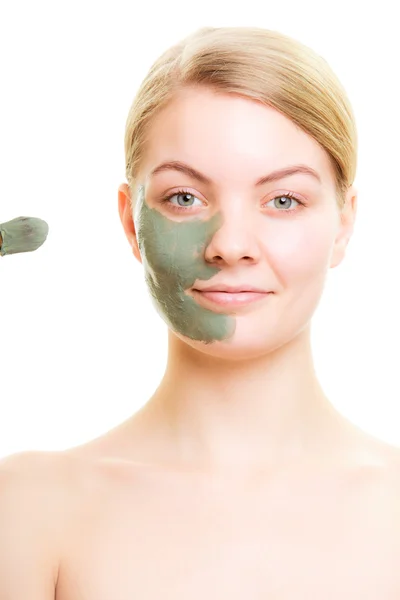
(227, 229)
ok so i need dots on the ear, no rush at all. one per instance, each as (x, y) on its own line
(125, 214)
(347, 220)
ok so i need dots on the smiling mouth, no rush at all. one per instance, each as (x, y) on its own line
(230, 298)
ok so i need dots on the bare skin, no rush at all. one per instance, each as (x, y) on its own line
(115, 521)
(104, 526)
(141, 530)
(238, 478)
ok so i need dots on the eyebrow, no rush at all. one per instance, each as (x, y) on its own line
(176, 165)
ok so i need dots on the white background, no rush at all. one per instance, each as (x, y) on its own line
(81, 346)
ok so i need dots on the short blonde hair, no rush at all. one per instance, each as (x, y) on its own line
(258, 64)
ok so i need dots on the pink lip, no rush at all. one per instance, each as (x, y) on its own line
(231, 289)
(232, 299)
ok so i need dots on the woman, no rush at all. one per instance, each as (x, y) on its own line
(237, 478)
(241, 151)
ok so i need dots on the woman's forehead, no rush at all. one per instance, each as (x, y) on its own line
(228, 143)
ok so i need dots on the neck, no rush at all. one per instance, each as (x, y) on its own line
(265, 412)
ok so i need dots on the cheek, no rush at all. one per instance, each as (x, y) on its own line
(169, 263)
(174, 252)
(300, 250)
(171, 255)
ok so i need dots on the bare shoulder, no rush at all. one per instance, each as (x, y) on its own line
(387, 487)
(36, 483)
(36, 473)
(33, 511)
(23, 462)
(44, 483)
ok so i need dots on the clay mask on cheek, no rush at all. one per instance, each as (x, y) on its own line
(173, 259)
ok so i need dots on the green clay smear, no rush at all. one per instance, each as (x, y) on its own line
(173, 259)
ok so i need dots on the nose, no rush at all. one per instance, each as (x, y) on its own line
(235, 240)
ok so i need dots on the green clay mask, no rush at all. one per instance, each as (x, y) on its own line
(173, 259)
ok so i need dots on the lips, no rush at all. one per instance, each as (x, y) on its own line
(232, 289)
(230, 299)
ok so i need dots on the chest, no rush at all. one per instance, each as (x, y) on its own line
(166, 540)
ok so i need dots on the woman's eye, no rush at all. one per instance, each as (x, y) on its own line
(184, 199)
(284, 201)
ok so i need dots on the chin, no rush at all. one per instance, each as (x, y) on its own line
(250, 340)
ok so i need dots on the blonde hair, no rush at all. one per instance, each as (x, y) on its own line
(258, 64)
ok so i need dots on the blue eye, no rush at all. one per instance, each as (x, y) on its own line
(185, 207)
(289, 195)
(185, 195)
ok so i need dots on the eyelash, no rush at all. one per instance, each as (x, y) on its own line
(290, 195)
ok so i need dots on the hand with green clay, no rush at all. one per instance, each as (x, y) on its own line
(173, 259)
(23, 234)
